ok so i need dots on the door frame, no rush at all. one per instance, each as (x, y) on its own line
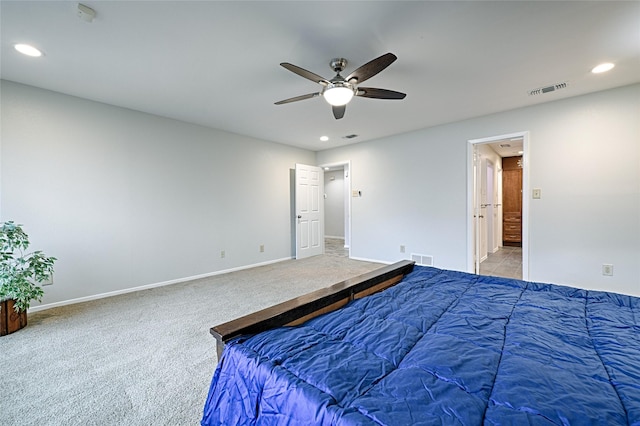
(525, 197)
(346, 165)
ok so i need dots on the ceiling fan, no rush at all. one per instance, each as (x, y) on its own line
(340, 90)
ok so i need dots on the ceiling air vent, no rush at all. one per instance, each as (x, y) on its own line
(349, 136)
(547, 89)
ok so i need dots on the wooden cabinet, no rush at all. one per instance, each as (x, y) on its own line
(512, 201)
(511, 228)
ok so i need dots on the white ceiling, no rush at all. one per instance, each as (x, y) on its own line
(217, 63)
(511, 147)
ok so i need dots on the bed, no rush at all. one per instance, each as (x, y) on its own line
(415, 345)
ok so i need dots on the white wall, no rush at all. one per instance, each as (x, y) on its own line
(125, 199)
(334, 203)
(584, 155)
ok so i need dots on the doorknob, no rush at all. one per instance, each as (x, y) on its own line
(299, 216)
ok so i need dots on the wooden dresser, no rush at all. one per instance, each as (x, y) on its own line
(512, 201)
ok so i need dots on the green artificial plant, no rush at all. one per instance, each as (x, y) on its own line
(20, 272)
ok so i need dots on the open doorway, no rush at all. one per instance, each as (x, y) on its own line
(337, 203)
(498, 231)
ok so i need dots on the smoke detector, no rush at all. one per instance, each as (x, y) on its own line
(547, 89)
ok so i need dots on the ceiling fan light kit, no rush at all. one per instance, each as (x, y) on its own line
(339, 91)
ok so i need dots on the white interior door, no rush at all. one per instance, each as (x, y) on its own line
(476, 209)
(490, 212)
(309, 199)
(482, 218)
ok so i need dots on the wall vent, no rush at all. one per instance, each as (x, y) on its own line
(547, 89)
(422, 259)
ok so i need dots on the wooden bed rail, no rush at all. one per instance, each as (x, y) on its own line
(303, 308)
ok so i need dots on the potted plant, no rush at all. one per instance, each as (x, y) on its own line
(20, 275)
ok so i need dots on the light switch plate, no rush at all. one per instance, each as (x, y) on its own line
(537, 193)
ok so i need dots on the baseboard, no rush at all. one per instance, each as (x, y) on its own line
(364, 259)
(335, 238)
(149, 286)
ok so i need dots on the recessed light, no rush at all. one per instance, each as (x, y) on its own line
(324, 138)
(28, 50)
(602, 68)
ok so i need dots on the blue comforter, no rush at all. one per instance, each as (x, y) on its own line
(442, 347)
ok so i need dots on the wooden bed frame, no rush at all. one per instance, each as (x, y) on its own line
(303, 308)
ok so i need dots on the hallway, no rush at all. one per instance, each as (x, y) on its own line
(506, 262)
(335, 247)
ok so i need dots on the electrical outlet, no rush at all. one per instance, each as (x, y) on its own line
(261, 248)
(607, 270)
(402, 249)
(222, 254)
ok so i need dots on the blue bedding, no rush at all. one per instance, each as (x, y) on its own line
(442, 347)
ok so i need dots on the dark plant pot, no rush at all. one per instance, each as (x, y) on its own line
(10, 320)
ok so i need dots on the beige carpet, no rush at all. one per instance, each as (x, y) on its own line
(144, 358)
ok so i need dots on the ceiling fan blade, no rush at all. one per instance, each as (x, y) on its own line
(372, 92)
(304, 73)
(372, 68)
(299, 98)
(338, 111)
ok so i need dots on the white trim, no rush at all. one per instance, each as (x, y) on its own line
(349, 212)
(525, 198)
(149, 286)
(384, 262)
